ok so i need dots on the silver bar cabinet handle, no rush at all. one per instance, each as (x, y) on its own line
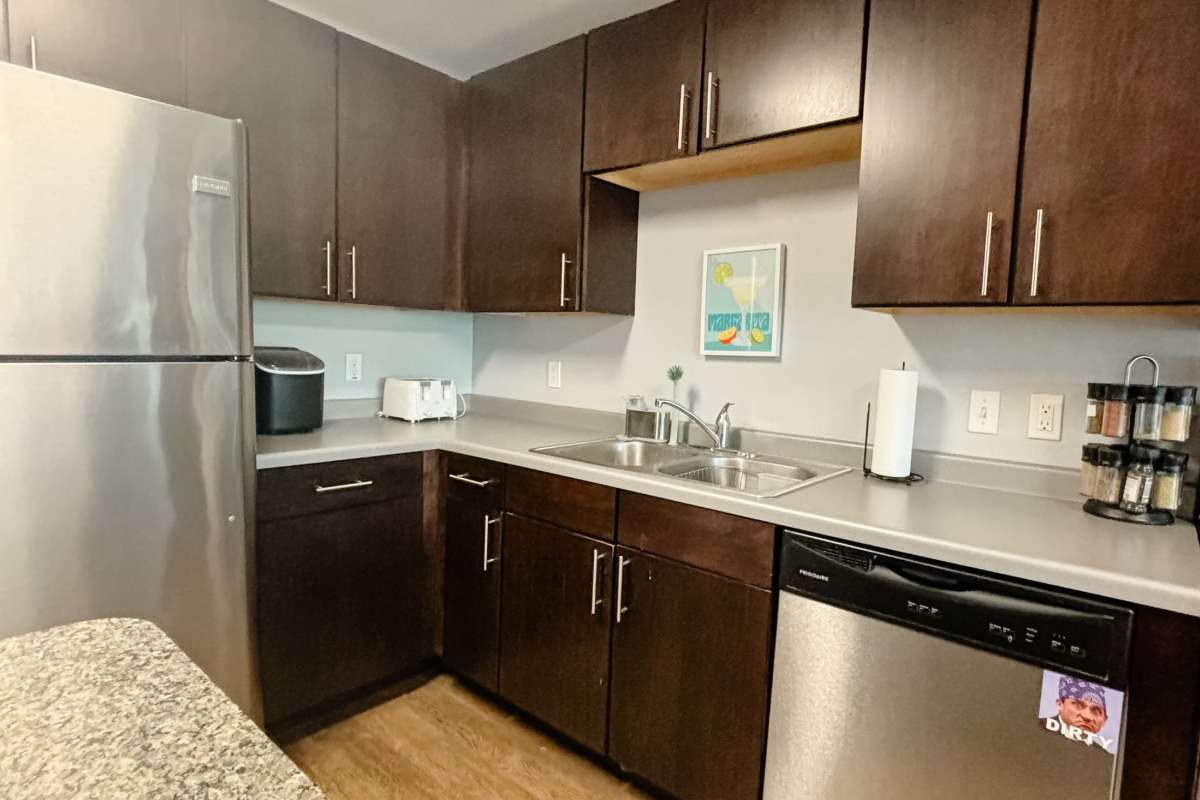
(33, 52)
(710, 131)
(353, 253)
(488, 522)
(328, 287)
(342, 487)
(597, 557)
(684, 95)
(622, 563)
(987, 253)
(562, 281)
(1037, 251)
(465, 477)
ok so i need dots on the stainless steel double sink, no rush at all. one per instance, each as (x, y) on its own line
(744, 473)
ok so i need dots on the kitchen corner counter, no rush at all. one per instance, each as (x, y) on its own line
(113, 708)
(1033, 538)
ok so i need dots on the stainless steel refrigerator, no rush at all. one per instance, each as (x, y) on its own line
(126, 392)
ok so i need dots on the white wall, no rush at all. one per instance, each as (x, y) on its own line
(403, 343)
(831, 353)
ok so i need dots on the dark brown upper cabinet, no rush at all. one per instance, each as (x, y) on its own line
(643, 87)
(277, 71)
(945, 83)
(539, 236)
(134, 46)
(556, 624)
(1110, 176)
(400, 150)
(773, 66)
(524, 207)
(690, 674)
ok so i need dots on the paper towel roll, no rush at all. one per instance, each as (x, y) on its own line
(895, 416)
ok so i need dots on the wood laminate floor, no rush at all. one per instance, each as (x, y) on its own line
(443, 741)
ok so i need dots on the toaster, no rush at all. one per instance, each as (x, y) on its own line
(415, 399)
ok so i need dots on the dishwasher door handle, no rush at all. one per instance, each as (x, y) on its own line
(930, 580)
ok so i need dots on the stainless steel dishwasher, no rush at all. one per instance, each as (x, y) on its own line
(896, 679)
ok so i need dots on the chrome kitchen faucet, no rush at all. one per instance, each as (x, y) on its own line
(719, 434)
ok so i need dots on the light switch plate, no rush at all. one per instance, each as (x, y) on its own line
(354, 366)
(984, 414)
(554, 374)
(1045, 416)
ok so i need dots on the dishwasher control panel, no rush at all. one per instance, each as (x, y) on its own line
(1067, 632)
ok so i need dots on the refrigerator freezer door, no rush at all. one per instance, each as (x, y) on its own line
(120, 224)
(126, 494)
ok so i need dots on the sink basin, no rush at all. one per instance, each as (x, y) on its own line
(749, 475)
(743, 473)
(629, 453)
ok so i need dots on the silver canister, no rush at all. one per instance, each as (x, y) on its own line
(653, 425)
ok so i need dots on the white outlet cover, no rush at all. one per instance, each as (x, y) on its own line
(354, 367)
(554, 374)
(1045, 417)
(984, 413)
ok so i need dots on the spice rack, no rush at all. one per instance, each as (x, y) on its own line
(1141, 474)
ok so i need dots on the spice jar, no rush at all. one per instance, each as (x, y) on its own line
(1139, 480)
(1110, 475)
(1177, 413)
(1168, 481)
(1148, 411)
(1115, 423)
(1088, 469)
(1095, 407)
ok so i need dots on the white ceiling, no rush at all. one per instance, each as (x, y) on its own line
(465, 37)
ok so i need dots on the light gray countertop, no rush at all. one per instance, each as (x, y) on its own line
(1041, 539)
(112, 708)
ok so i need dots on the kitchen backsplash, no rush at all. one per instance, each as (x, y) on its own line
(403, 343)
(831, 353)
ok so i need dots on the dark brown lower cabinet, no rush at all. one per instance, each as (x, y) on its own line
(1164, 701)
(471, 644)
(341, 595)
(690, 678)
(554, 644)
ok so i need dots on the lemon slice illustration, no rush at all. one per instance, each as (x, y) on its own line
(722, 272)
(756, 336)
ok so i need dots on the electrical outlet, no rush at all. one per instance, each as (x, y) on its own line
(1045, 416)
(984, 416)
(354, 366)
(554, 374)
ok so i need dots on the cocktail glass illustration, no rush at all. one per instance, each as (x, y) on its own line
(744, 289)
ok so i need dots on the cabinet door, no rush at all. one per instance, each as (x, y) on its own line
(945, 84)
(277, 71)
(778, 65)
(133, 46)
(474, 538)
(1110, 158)
(555, 635)
(339, 603)
(643, 87)
(690, 675)
(400, 143)
(524, 208)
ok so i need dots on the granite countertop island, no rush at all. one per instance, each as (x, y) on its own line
(112, 708)
(1044, 539)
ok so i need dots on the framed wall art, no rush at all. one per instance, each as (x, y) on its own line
(741, 302)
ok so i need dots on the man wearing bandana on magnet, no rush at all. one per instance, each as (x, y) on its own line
(1082, 713)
